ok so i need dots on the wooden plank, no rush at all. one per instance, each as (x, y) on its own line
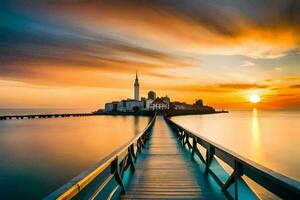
(166, 171)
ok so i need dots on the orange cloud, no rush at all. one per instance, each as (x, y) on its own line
(295, 86)
(100, 45)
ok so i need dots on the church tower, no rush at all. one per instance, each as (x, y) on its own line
(136, 88)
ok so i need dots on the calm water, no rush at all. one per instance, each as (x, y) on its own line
(38, 156)
(270, 138)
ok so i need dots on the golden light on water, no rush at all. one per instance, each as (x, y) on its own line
(255, 125)
(254, 98)
(256, 135)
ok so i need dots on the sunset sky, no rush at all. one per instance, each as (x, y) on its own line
(81, 54)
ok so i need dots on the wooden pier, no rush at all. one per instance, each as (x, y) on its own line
(166, 161)
(36, 116)
(165, 171)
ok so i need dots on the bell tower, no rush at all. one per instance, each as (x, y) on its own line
(136, 88)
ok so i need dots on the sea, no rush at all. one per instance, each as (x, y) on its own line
(38, 156)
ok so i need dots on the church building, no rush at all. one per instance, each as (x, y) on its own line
(128, 105)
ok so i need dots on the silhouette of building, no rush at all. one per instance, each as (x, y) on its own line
(136, 88)
(181, 106)
(198, 103)
(167, 100)
(128, 105)
(151, 95)
(158, 104)
(148, 102)
(151, 103)
(113, 106)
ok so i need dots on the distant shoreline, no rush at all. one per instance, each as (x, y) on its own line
(193, 112)
(168, 113)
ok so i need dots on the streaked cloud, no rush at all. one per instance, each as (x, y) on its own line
(221, 87)
(295, 86)
(242, 86)
(247, 64)
(214, 47)
(278, 69)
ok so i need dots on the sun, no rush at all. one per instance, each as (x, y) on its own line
(254, 98)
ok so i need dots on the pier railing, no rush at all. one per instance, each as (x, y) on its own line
(106, 179)
(233, 184)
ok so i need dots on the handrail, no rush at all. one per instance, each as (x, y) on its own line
(114, 160)
(274, 182)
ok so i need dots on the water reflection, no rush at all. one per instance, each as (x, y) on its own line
(136, 125)
(256, 137)
(266, 137)
(255, 125)
(38, 156)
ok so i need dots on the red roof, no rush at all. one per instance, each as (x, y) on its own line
(158, 101)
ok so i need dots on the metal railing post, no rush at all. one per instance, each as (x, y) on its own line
(115, 171)
(209, 156)
(194, 147)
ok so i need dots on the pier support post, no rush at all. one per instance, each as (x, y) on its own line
(115, 172)
(209, 156)
(130, 159)
(131, 148)
(194, 147)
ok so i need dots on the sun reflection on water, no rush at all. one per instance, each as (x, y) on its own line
(256, 135)
(265, 137)
(255, 125)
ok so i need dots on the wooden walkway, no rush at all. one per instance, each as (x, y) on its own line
(165, 171)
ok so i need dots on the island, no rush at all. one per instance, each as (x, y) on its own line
(147, 106)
